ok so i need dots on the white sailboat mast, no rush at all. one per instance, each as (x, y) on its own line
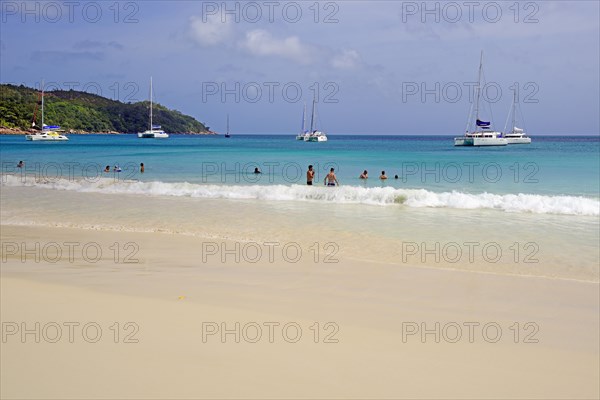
(42, 104)
(514, 111)
(478, 90)
(151, 104)
(312, 117)
(304, 119)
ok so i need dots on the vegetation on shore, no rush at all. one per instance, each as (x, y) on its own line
(81, 112)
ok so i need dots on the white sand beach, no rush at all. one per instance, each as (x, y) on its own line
(499, 336)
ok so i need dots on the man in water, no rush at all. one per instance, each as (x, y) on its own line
(107, 169)
(257, 171)
(141, 168)
(330, 179)
(310, 175)
(364, 175)
(21, 164)
(383, 176)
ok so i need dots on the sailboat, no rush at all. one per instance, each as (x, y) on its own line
(516, 135)
(49, 133)
(482, 135)
(314, 135)
(155, 131)
(227, 135)
(303, 133)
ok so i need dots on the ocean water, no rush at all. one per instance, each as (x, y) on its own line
(538, 204)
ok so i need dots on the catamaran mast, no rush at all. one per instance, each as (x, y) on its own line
(304, 119)
(42, 104)
(227, 124)
(151, 125)
(514, 111)
(478, 91)
(312, 117)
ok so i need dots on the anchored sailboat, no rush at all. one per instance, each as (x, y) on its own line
(155, 131)
(314, 135)
(483, 134)
(49, 133)
(516, 135)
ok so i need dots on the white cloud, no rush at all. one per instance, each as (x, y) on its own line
(210, 31)
(347, 59)
(261, 43)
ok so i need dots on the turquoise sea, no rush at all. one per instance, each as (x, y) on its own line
(537, 205)
(549, 166)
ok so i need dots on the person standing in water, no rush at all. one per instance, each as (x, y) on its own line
(310, 175)
(364, 175)
(330, 179)
(141, 168)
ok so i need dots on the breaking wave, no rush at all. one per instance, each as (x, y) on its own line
(386, 196)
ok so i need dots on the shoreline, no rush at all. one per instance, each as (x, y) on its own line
(14, 131)
(370, 348)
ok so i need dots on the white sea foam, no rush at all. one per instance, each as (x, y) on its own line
(385, 196)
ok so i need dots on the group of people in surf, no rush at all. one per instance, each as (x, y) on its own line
(116, 168)
(383, 176)
(330, 179)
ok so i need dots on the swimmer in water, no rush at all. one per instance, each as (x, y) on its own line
(330, 179)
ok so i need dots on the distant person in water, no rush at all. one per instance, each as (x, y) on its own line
(330, 179)
(257, 171)
(395, 176)
(310, 175)
(141, 168)
(107, 169)
(117, 168)
(383, 176)
(21, 164)
(364, 175)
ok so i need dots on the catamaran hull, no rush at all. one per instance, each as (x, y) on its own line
(524, 140)
(489, 142)
(463, 142)
(152, 135)
(46, 138)
(480, 142)
(316, 139)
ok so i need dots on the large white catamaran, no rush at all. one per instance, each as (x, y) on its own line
(155, 131)
(314, 135)
(49, 133)
(483, 134)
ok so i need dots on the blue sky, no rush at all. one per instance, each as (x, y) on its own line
(380, 67)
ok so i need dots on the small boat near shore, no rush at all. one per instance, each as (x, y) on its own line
(314, 135)
(49, 133)
(155, 131)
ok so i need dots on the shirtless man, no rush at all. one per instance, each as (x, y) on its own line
(310, 175)
(330, 179)
(383, 176)
(364, 175)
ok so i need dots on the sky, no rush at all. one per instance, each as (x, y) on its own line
(373, 67)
